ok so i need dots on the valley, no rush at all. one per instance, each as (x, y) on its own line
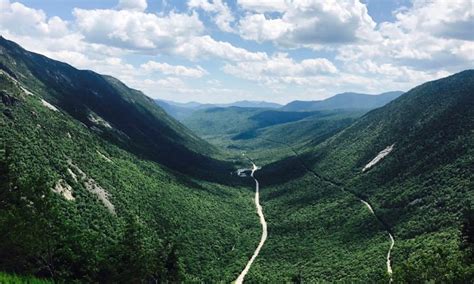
(100, 183)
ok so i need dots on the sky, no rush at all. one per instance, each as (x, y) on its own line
(220, 51)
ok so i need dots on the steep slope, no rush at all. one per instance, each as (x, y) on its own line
(347, 101)
(122, 115)
(419, 183)
(77, 205)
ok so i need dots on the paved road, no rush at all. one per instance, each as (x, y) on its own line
(244, 272)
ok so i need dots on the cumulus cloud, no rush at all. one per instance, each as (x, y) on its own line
(258, 27)
(206, 47)
(429, 37)
(222, 14)
(136, 30)
(22, 20)
(176, 70)
(307, 23)
(281, 69)
(175, 33)
(452, 19)
(344, 49)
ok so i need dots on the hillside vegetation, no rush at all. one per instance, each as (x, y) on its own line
(120, 115)
(422, 192)
(77, 204)
(98, 184)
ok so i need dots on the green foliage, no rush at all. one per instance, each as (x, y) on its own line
(161, 218)
(13, 279)
(420, 191)
(144, 201)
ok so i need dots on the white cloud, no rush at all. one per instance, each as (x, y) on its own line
(281, 69)
(308, 23)
(430, 37)
(222, 14)
(257, 27)
(169, 83)
(206, 47)
(134, 5)
(349, 52)
(452, 19)
(136, 30)
(176, 70)
(22, 20)
(176, 34)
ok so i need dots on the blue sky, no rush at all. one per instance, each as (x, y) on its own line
(275, 50)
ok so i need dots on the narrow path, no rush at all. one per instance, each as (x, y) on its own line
(358, 196)
(244, 272)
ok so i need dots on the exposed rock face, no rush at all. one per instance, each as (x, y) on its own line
(91, 185)
(48, 105)
(64, 189)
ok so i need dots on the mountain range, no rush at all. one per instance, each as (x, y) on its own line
(98, 183)
(182, 111)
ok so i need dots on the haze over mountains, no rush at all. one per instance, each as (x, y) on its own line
(344, 101)
(181, 111)
(99, 184)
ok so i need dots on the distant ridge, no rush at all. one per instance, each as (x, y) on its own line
(344, 101)
(181, 111)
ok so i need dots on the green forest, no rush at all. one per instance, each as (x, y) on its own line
(98, 184)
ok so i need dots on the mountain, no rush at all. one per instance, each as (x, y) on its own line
(182, 111)
(99, 185)
(312, 129)
(234, 120)
(344, 101)
(102, 103)
(411, 161)
(178, 111)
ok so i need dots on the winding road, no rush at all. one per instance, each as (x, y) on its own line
(392, 241)
(244, 272)
(343, 188)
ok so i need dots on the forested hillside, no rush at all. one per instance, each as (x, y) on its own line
(98, 184)
(247, 129)
(421, 192)
(83, 197)
(117, 113)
